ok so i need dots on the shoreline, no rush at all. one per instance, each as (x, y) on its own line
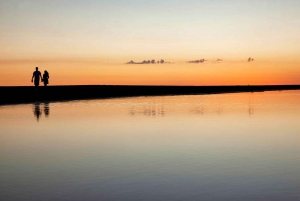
(28, 94)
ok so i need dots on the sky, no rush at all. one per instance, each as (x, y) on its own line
(89, 42)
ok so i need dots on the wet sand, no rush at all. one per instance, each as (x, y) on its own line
(28, 94)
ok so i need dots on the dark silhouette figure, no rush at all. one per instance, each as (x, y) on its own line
(36, 75)
(45, 78)
(37, 111)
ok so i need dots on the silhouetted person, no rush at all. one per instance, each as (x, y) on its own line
(45, 78)
(36, 75)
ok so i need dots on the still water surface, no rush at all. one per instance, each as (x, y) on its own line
(243, 146)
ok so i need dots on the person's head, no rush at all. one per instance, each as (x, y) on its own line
(46, 72)
(36, 68)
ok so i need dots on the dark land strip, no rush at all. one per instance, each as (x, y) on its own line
(28, 94)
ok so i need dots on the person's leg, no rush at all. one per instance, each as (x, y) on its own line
(36, 83)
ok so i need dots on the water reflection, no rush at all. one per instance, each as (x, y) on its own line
(250, 110)
(219, 110)
(38, 112)
(204, 108)
(152, 109)
(204, 147)
(197, 110)
(46, 109)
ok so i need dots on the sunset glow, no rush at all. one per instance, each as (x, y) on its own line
(89, 42)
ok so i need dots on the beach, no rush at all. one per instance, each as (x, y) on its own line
(29, 94)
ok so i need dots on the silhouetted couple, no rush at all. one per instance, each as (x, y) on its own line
(37, 75)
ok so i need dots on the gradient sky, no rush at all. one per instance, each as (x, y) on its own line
(88, 42)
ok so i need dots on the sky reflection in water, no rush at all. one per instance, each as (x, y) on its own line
(242, 146)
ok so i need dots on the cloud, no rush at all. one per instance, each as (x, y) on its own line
(250, 59)
(147, 62)
(197, 61)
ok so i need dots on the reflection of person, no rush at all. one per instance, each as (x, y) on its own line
(45, 78)
(46, 109)
(37, 111)
(36, 75)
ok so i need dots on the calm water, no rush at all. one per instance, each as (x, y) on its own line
(243, 146)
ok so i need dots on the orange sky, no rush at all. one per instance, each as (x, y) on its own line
(207, 73)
